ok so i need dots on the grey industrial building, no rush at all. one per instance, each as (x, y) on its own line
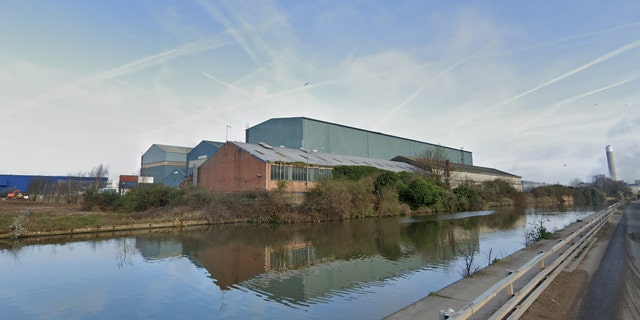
(171, 165)
(166, 164)
(326, 137)
(291, 141)
(198, 155)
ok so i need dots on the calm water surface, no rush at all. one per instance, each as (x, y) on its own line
(364, 269)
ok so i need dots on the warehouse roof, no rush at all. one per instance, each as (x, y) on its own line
(268, 153)
(174, 149)
(462, 167)
(483, 170)
(362, 130)
(213, 143)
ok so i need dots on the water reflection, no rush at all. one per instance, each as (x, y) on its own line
(296, 263)
(366, 268)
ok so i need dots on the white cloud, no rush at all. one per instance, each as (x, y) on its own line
(458, 75)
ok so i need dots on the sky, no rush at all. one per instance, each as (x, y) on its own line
(534, 88)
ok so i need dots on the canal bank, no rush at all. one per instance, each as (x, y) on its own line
(560, 301)
(361, 269)
(108, 229)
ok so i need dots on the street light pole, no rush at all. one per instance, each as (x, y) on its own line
(305, 150)
(307, 170)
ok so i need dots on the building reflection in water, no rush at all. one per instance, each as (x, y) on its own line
(302, 262)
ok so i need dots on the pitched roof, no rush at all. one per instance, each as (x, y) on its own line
(477, 169)
(174, 149)
(268, 153)
(461, 167)
(362, 130)
(213, 143)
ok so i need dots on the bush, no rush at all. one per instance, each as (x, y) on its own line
(330, 198)
(585, 195)
(447, 202)
(420, 193)
(362, 197)
(196, 198)
(145, 197)
(354, 173)
(386, 180)
(389, 203)
(537, 232)
(468, 198)
(103, 200)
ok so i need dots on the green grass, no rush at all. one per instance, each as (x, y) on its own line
(44, 222)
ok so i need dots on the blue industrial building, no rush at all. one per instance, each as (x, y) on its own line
(203, 151)
(166, 164)
(326, 137)
(38, 184)
(171, 165)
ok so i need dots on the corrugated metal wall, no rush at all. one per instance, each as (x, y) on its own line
(338, 139)
(285, 132)
(156, 154)
(10, 182)
(161, 165)
(203, 151)
(168, 175)
(153, 154)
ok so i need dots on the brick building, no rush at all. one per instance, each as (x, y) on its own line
(240, 166)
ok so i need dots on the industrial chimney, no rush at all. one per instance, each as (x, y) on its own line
(612, 165)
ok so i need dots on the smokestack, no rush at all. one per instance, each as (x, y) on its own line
(612, 165)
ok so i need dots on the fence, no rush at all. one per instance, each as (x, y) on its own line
(524, 297)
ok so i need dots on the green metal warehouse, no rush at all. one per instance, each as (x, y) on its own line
(326, 137)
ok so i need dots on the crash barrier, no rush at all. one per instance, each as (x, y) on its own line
(522, 299)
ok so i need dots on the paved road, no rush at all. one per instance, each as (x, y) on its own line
(614, 290)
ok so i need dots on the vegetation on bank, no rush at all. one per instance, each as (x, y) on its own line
(353, 192)
(599, 191)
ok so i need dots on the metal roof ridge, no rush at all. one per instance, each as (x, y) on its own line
(361, 129)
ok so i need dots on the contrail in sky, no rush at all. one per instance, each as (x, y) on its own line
(417, 92)
(592, 92)
(143, 63)
(547, 113)
(574, 38)
(221, 19)
(132, 67)
(226, 84)
(569, 73)
(159, 58)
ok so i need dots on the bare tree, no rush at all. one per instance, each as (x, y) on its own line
(576, 182)
(468, 253)
(611, 187)
(434, 161)
(99, 172)
(74, 185)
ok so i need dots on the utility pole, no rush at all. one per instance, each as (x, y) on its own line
(305, 150)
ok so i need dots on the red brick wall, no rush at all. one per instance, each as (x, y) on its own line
(233, 169)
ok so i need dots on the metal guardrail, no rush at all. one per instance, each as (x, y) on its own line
(521, 300)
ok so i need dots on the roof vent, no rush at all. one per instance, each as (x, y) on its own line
(265, 145)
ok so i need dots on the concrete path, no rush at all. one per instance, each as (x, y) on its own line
(614, 289)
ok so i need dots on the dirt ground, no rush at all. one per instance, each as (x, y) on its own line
(22, 206)
(561, 300)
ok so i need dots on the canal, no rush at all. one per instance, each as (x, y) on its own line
(365, 269)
